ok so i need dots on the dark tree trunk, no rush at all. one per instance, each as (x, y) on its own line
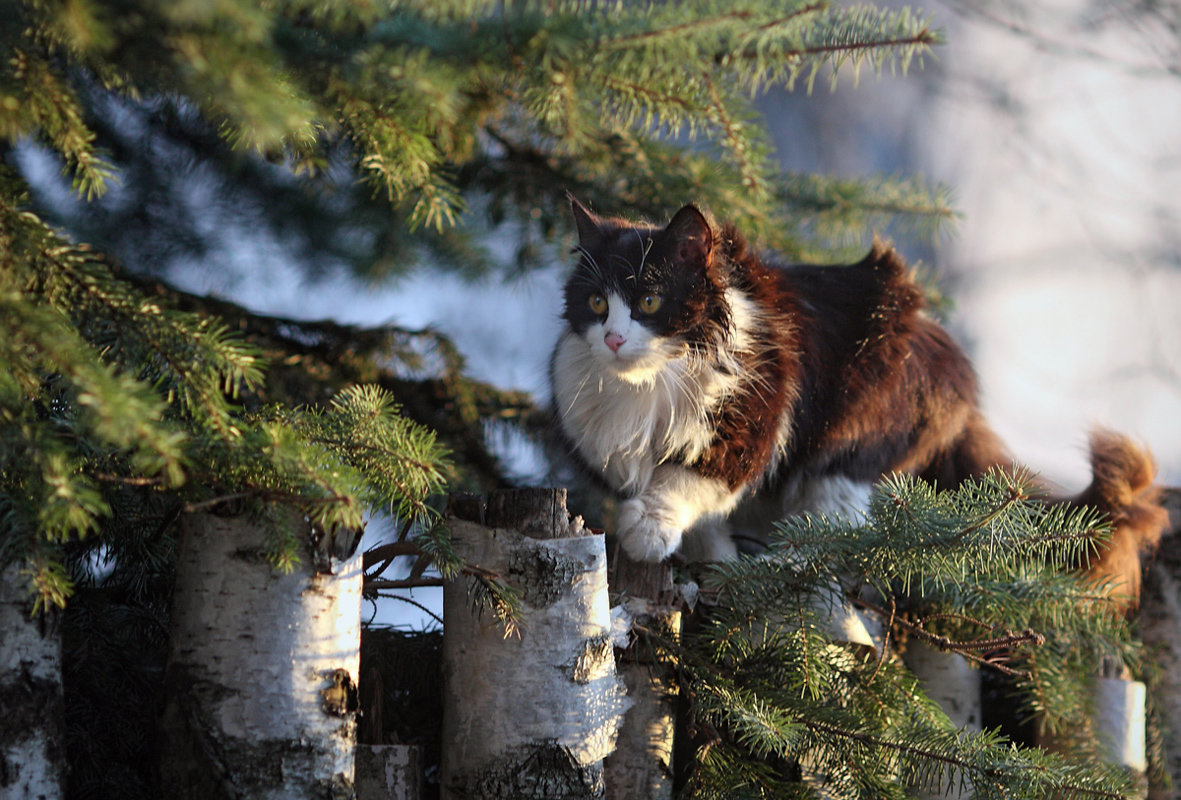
(641, 766)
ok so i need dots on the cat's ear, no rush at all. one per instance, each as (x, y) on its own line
(586, 222)
(692, 235)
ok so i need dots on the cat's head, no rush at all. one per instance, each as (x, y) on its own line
(642, 296)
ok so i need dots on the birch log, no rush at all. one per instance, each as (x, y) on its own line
(32, 741)
(260, 671)
(389, 772)
(954, 685)
(641, 766)
(529, 716)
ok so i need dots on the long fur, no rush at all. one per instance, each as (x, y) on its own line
(806, 383)
(1122, 487)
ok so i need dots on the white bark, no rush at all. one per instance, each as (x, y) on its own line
(32, 754)
(1120, 722)
(253, 652)
(954, 685)
(530, 717)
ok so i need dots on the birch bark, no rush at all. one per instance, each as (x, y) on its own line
(529, 717)
(260, 669)
(32, 741)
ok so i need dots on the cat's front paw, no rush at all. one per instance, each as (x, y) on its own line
(645, 534)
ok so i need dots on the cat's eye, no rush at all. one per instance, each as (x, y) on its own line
(650, 303)
(598, 303)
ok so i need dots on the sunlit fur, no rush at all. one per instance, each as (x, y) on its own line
(624, 427)
(800, 385)
(1121, 486)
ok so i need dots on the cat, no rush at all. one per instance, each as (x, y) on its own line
(692, 374)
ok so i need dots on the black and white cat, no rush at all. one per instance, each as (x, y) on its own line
(692, 372)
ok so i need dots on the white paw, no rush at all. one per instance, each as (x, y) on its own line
(646, 536)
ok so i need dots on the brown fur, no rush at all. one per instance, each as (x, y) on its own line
(887, 388)
(1122, 488)
(846, 376)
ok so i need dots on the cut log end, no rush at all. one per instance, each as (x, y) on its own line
(536, 513)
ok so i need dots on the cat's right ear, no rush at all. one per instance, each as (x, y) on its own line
(586, 222)
(692, 235)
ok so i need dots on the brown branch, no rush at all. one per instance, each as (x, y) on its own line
(740, 16)
(267, 494)
(388, 552)
(469, 569)
(674, 30)
(107, 477)
(217, 501)
(963, 648)
(403, 583)
(885, 640)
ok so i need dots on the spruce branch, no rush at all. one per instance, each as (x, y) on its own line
(1040, 771)
(972, 572)
(488, 594)
(44, 105)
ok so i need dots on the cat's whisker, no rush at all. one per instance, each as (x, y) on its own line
(578, 393)
(645, 247)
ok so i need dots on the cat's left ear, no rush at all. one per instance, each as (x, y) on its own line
(586, 222)
(692, 235)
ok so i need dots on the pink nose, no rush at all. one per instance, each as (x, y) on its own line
(614, 341)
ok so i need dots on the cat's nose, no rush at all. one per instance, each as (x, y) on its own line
(614, 341)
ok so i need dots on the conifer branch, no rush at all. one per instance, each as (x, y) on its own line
(1042, 774)
(681, 29)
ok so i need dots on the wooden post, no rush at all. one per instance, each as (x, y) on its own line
(529, 716)
(262, 669)
(32, 727)
(1160, 625)
(389, 772)
(641, 766)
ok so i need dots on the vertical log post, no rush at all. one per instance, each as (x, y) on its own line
(389, 772)
(262, 669)
(641, 766)
(32, 712)
(529, 716)
(955, 686)
(1120, 722)
(1160, 624)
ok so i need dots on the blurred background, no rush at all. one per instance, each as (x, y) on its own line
(1054, 124)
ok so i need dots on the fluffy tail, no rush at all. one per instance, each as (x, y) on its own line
(1121, 487)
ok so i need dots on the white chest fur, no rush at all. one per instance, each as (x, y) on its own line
(627, 428)
(627, 423)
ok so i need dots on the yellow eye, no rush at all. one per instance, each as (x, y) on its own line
(598, 303)
(650, 303)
